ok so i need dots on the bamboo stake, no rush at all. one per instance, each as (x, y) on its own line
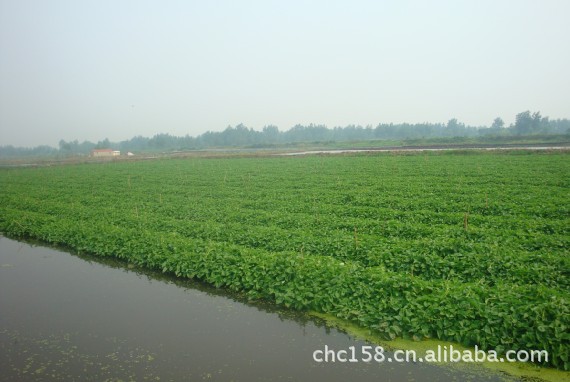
(355, 239)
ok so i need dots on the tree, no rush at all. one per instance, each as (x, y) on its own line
(271, 134)
(454, 128)
(535, 124)
(64, 147)
(104, 144)
(498, 123)
(523, 123)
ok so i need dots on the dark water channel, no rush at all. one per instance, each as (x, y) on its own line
(71, 318)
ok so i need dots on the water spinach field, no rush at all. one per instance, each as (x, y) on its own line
(464, 247)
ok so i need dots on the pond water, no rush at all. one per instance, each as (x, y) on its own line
(420, 149)
(69, 317)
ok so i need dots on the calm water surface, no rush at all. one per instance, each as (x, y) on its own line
(65, 317)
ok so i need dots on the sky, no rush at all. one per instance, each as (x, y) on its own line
(90, 70)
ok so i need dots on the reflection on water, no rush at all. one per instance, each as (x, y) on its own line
(421, 149)
(69, 317)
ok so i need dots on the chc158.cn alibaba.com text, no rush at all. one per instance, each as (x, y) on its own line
(442, 354)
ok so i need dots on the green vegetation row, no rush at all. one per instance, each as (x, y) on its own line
(469, 248)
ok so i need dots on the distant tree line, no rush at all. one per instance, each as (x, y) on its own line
(526, 123)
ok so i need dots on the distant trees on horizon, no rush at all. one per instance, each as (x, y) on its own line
(526, 123)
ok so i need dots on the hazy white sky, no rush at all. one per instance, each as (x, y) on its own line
(90, 70)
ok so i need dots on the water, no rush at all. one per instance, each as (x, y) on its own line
(421, 149)
(69, 317)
